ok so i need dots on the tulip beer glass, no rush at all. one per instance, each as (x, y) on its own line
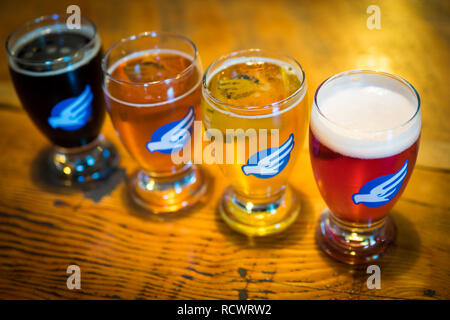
(152, 90)
(364, 138)
(57, 75)
(256, 100)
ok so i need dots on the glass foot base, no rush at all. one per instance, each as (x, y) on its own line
(91, 162)
(259, 219)
(354, 244)
(169, 194)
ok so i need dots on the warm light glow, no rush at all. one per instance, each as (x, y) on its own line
(150, 185)
(60, 158)
(354, 237)
(374, 59)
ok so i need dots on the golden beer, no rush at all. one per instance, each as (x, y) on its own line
(256, 99)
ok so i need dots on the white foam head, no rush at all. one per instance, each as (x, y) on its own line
(366, 115)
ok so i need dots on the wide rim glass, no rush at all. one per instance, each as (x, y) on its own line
(247, 108)
(61, 18)
(152, 34)
(366, 71)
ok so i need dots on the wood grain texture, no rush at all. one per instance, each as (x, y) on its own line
(125, 253)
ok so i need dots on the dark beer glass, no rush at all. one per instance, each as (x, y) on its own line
(57, 75)
(364, 139)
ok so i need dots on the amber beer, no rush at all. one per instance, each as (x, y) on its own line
(256, 99)
(364, 140)
(153, 96)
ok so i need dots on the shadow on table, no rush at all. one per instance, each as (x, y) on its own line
(291, 236)
(404, 254)
(43, 176)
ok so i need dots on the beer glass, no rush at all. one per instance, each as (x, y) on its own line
(256, 100)
(364, 138)
(57, 75)
(152, 90)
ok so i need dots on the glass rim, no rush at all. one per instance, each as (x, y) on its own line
(152, 34)
(368, 71)
(54, 17)
(247, 108)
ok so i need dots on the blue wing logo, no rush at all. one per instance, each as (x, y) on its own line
(269, 162)
(72, 113)
(172, 136)
(381, 190)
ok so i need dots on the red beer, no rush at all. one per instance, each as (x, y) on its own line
(364, 139)
(339, 177)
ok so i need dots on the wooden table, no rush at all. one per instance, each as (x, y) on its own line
(126, 253)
